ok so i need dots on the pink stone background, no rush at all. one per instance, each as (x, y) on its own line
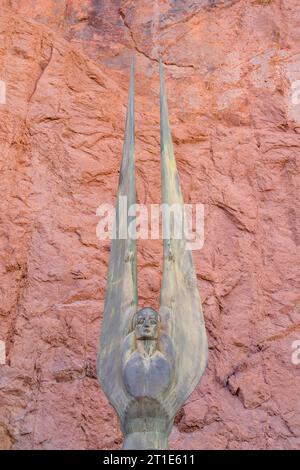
(231, 71)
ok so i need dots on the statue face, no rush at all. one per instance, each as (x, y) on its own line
(146, 324)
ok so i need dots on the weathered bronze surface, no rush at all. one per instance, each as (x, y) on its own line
(150, 362)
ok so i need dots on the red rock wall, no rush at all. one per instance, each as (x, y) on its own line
(232, 72)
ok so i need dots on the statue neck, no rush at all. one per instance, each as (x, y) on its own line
(146, 347)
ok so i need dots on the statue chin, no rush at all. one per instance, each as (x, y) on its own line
(146, 338)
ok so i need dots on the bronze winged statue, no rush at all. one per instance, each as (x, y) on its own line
(149, 362)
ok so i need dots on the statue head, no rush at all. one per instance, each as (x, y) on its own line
(146, 324)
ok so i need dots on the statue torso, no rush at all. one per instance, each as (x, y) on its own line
(146, 376)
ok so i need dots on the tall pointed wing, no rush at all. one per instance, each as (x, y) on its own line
(179, 291)
(121, 293)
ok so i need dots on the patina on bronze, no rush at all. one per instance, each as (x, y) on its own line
(150, 362)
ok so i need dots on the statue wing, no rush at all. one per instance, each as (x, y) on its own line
(179, 293)
(121, 293)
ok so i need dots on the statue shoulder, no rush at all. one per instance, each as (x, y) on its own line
(129, 340)
(128, 343)
(166, 346)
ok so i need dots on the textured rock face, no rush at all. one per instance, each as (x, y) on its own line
(233, 81)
